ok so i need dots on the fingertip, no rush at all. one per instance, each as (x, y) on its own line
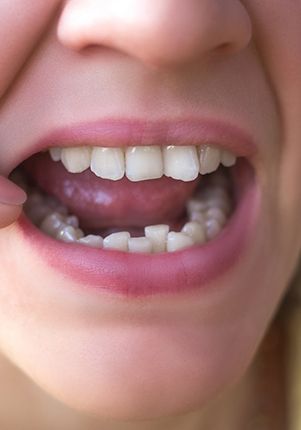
(9, 214)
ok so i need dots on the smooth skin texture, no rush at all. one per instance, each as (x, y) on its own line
(166, 360)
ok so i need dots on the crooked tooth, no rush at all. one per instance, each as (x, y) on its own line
(181, 162)
(55, 154)
(228, 159)
(108, 163)
(177, 241)
(92, 241)
(144, 162)
(195, 231)
(157, 234)
(69, 234)
(139, 244)
(210, 158)
(76, 160)
(118, 241)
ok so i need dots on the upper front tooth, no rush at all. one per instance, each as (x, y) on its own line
(108, 163)
(76, 160)
(210, 158)
(144, 162)
(181, 162)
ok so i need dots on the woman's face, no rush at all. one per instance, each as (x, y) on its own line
(94, 332)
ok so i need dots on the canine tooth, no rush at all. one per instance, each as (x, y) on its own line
(210, 158)
(196, 231)
(177, 241)
(92, 240)
(181, 162)
(76, 160)
(52, 224)
(213, 228)
(157, 234)
(144, 162)
(69, 234)
(55, 154)
(228, 159)
(139, 244)
(108, 163)
(118, 241)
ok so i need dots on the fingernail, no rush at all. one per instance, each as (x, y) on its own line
(10, 193)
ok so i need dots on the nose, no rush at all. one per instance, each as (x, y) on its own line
(158, 32)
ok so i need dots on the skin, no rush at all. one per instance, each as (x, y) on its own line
(149, 360)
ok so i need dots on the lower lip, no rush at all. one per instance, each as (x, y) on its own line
(141, 275)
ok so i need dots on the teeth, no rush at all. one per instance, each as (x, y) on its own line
(207, 213)
(177, 241)
(210, 158)
(213, 228)
(141, 163)
(157, 234)
(69, 234)
(92, 241)
(76, 160)
(195, 231)
(108, 163)
(55, 154)
(52, 224)
(139, 244)
(118, 241)
(144, 162)
(181, 162)
(228, 159)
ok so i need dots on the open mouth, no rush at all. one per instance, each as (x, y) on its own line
(140, 200)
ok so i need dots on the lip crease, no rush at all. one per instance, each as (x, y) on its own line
(118, 132)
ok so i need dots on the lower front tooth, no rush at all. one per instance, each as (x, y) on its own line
(195, 231)
(157, 234)
(92, 241)
(118, 241)
(177, 241)
(139, 244)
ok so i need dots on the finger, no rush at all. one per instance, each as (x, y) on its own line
(12, 198)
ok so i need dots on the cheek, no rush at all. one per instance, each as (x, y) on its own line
(22, 23)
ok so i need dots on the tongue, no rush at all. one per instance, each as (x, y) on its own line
(100, 203)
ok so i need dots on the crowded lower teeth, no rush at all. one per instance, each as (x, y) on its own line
(207, 214)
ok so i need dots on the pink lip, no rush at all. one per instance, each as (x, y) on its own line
(126, 132)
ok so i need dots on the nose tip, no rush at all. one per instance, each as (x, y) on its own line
(159, 32)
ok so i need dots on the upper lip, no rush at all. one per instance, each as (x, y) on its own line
(118, 132)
